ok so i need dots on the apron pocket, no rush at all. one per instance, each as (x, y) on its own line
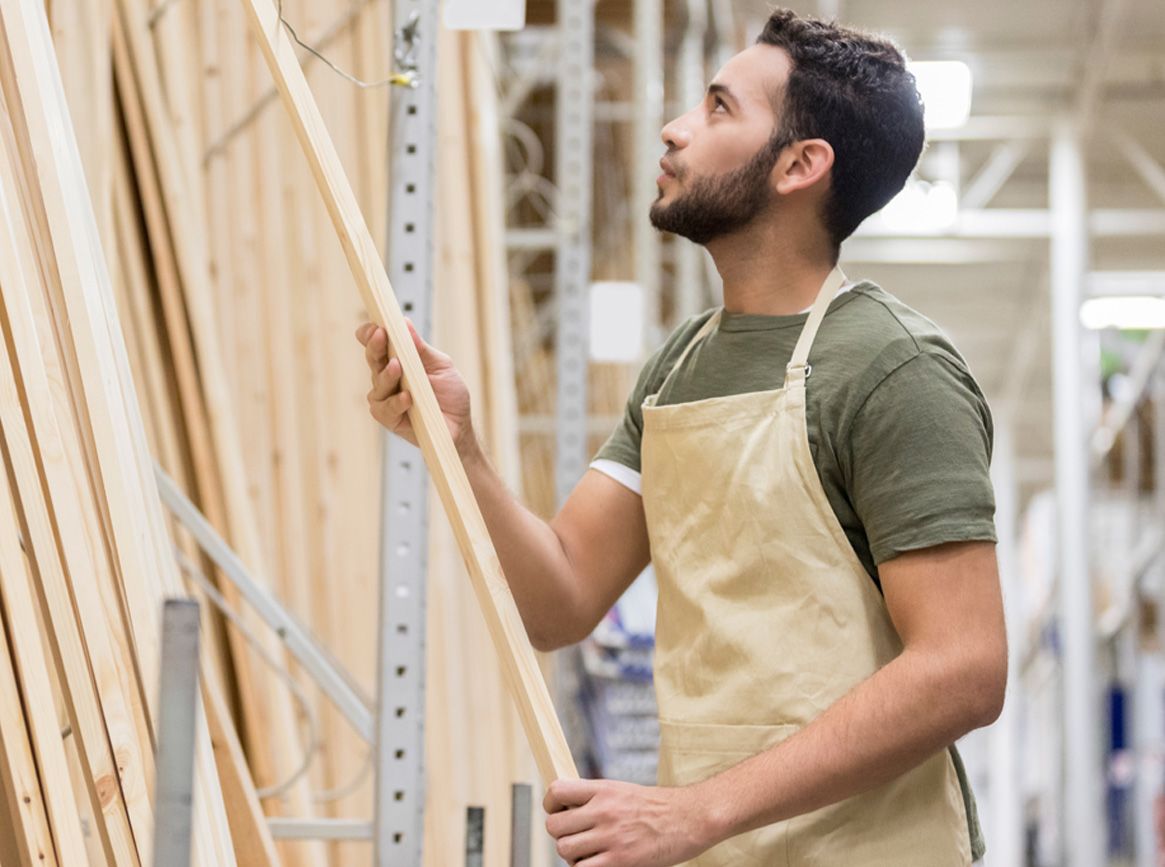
(692, 752)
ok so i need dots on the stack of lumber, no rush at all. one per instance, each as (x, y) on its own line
(87, 559)
(173, 290)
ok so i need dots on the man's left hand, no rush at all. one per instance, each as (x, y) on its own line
(604, 823)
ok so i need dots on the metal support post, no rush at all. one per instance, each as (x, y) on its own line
(398, 820)
(1158, 393)
(474, 836)
(178, 703)
(1084, 782)
(573, 259)
(1150, 709)
(689, 265)
(521, 816)
(648, 100)
(574, 109)
(1005, 807)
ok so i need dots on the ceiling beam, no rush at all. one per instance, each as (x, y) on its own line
(1019, 223)
(1098, 59)
(996, 172)
(934, 251)
(1147, 168)
(994, 128)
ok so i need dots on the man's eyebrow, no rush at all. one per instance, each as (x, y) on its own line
(722, 90)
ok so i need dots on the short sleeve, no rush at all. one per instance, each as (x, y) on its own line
(919, 456)
(623, 446)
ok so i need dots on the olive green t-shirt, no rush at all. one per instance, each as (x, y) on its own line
(899, 430)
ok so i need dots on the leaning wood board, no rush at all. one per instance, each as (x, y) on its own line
(32, 806)
(517, 657)
(80, 565)
(49, 151)
(29, 664)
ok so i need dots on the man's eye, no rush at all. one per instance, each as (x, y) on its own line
(718, 103)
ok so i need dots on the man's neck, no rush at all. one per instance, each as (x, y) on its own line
(770, 272)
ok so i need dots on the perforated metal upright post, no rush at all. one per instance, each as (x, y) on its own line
(573, 259)
(648, 102)
(690, 72)
(400, 772)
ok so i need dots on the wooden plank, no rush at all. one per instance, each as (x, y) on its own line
(86, 572)
(157, 377)
(186, 387)
(253, 844)
(268, 711)
(34, 94)
(39, 531)
(21, 802)
(497, 604)
(487, 176)
(32, 668)
(48, 151)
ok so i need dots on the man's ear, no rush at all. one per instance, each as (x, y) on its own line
(802, 165)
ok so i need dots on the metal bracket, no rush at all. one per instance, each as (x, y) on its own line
(322, 668)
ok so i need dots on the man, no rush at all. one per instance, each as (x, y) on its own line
(807, 469)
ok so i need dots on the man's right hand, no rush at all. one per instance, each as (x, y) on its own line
(389, 400)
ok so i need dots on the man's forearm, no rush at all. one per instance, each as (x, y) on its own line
(535, 565)
(891, 722)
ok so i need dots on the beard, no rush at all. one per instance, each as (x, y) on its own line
(719, 205)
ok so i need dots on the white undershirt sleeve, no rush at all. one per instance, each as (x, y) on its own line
(624, 475)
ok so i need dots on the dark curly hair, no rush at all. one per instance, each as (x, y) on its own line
(853, 90)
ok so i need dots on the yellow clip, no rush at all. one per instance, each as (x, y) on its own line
(404, 79)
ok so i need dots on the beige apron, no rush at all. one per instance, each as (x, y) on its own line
(767, 617)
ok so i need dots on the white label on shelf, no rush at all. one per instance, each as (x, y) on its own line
(479, 15)
(617, 321)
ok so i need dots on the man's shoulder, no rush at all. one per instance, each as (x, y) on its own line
(876, 343)
(877, 329)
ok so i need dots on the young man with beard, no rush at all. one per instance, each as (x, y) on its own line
(807, 469)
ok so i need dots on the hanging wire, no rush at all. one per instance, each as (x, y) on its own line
(408, 78)
(195, 574)
(271, 95)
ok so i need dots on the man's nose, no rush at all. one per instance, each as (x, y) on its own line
(675, 134)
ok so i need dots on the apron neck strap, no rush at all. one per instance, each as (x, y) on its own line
(707, 328)
(825, 294)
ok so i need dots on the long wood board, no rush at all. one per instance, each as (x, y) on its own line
(518, 660)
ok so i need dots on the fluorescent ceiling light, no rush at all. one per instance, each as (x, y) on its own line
(1132, 312)
(922, 208)
(945, 87)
